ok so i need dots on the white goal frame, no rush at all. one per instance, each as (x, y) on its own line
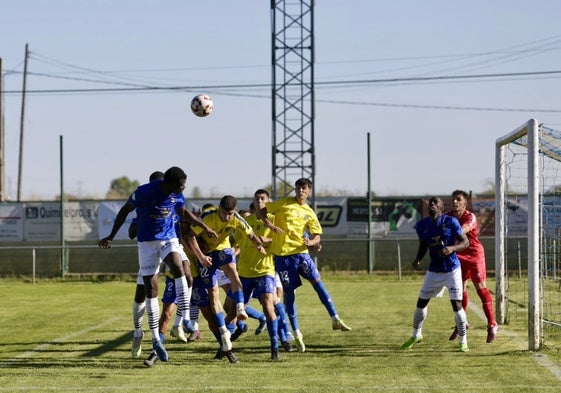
(531, 129)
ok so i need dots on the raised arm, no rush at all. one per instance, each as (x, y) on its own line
(262, 215)
(193, 219)
(119, 221)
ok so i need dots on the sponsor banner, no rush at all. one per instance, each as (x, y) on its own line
(43, 219)
(332, 215)
(80, 221)
(339, 216)
(390, 216)
(11, 222)
(107, 211)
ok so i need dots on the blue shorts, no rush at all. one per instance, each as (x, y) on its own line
(199, 294)
(210, 275)
(258, 286)
(169, 293)
(291, 267)
(222, 257)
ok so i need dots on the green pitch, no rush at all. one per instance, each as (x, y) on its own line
(75, 336)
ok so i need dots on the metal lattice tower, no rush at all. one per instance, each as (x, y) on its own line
(293, 152)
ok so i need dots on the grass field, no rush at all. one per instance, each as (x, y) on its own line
(75, 336)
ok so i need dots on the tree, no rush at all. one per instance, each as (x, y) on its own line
(121, 188)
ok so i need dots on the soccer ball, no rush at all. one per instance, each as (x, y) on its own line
(202, 105)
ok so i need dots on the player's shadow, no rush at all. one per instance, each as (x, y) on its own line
(109, 346)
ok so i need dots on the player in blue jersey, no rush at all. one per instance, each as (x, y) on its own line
(139, 302)
(442, 236)
(155, 203)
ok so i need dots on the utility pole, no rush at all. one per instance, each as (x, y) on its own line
(2, 162)
(23, 93)
(293, 97)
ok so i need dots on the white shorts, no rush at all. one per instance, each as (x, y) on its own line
(152, 253)
(184, 256)
(222, 278)
(434, 283)
(278, 283)
(140, 280)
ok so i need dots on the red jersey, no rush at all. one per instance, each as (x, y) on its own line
(475, 252)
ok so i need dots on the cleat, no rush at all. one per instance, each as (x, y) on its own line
(226, 343)
(340, 325)
(412, 341)
(491, 333)
(237, 333)
(152, 358)
(219, 354)
(463, 347)
(275, 355)
(231, 357)
(137, 345)
(240, 313)
(196, 335)
(188, 326)
(454, 334)
(286, 346)
(300, 342)
(289, 336)
(261, 327)
(158, 347)
(178, 333)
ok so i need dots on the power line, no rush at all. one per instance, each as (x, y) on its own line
(268, 85)
(447, 107)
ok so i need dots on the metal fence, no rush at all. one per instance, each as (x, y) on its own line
(392, 256)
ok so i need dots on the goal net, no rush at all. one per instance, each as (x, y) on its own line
(527, 229)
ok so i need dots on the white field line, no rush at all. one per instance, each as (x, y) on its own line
(42, 347)
(540, 358)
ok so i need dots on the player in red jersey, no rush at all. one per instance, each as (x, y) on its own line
(472, 260)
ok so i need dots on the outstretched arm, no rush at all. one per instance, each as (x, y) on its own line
(262, 215)
(258, 243)
(193, 219)
(119, 221)
(196, 250)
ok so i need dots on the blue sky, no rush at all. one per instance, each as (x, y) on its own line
(420, 144)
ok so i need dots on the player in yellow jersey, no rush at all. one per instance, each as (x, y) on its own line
(257, 271)
(296, 227)
(219, 254)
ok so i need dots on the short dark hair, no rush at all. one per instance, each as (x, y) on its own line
(303, 181)
(460, 192)
(228, 202)
(156, 176)
(241, 212)
(174, 175)
(262, 191)
(207, 206)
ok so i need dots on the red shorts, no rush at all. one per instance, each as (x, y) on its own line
(476, 271)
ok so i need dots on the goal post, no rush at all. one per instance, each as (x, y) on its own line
(527, 207)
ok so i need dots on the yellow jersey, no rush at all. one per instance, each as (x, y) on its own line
(251, 263)
(295, 220)
(223, 229)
